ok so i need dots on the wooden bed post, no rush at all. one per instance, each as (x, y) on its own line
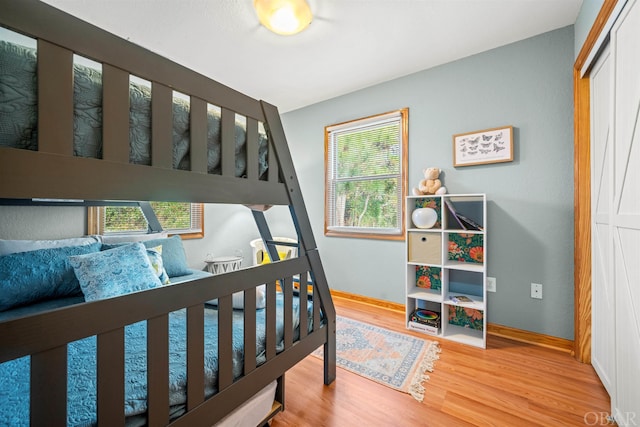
(275, 131)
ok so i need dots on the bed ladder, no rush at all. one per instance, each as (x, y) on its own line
(306, 242)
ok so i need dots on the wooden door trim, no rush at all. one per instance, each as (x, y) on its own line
(582, 190)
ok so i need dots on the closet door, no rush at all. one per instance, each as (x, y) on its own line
(602, 290)
(625, 218)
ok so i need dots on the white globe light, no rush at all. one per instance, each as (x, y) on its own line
(424, 217)
(284, 17)
(285, 20)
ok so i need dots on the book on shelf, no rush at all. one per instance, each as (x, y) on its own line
(469, 223)
(426, 317)
(464, 222)
(421, 327)
(454, 214)
(460, 299)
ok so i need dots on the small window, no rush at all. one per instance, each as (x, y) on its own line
(186, 219)
(366, 176)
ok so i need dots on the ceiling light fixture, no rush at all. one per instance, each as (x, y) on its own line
(284, 17)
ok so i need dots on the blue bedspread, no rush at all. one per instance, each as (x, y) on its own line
(81, 406)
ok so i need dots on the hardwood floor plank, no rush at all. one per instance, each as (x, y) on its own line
(463, 407)
(508, 384)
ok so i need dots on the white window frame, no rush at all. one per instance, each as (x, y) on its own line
(330, 227)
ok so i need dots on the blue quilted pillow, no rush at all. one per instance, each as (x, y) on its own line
(173, 256)
(114, 272)
(30, 277)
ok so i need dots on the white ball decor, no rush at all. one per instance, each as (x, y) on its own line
(424, 217)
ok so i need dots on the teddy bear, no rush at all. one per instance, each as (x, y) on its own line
(430, 184)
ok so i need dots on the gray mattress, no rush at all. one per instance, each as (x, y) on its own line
(19, 120)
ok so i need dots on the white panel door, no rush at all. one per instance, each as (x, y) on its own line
(625, 218)
(602, 290)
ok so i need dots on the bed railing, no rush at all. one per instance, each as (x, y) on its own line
(45, 337)
(60, 36)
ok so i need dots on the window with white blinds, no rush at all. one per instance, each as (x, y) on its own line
(365, 169)
(186, 219)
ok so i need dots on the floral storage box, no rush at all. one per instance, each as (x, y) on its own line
(466, 247)
(429, 277)
(466, 317)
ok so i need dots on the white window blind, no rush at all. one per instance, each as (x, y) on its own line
(365, 175)
(175, 218)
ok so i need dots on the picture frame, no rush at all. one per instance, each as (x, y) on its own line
(486, 146)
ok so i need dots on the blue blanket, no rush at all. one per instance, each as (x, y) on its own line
(81, 406)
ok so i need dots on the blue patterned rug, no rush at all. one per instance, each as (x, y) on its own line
(396, 360)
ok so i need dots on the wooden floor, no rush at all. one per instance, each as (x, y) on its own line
(508, 384)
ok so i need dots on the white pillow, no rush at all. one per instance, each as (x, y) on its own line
(127, 238)
(238, 298)
(8, 247)
(261, 298)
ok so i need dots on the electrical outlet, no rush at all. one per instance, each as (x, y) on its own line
(536, 290)
(491, 284)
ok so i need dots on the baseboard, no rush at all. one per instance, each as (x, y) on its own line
(390, 305)
(560, 344)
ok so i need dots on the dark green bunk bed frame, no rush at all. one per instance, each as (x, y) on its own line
(53, 172)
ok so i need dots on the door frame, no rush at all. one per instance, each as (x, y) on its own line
(582, 188)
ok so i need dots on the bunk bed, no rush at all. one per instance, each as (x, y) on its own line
(220, 156)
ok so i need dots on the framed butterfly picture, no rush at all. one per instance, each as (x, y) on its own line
(484, 146)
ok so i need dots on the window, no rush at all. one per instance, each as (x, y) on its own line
(366, 176)
(186, 219)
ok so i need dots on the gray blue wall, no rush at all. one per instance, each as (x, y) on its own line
(528, 85)
(584, 22)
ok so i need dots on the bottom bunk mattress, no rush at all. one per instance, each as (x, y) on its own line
(81, 382)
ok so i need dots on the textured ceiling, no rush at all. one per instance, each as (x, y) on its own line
(351, 44)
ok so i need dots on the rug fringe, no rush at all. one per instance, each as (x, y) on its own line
(416, 389)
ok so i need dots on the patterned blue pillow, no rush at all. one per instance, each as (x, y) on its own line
(114, 272)
(29, 277)
(155, 258)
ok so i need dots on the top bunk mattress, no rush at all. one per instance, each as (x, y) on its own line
(19, 113)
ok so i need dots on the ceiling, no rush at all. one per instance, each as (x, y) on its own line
(350, 45)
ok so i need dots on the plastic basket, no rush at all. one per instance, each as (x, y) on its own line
(285, 252)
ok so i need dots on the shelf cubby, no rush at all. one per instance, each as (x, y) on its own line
(449, 259)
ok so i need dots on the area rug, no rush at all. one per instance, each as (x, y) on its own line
(396, 360)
